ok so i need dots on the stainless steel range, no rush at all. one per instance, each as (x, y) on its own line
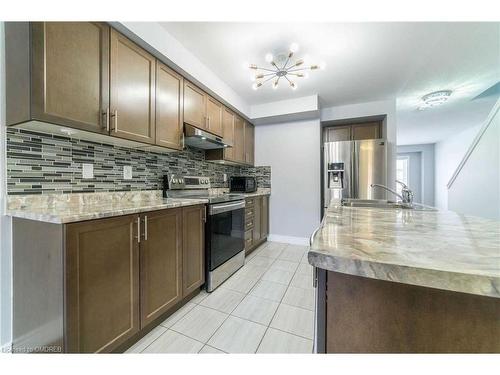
(224, 228)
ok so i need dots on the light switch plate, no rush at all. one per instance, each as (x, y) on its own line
(87, 170)
(224, 176)
(127, 172)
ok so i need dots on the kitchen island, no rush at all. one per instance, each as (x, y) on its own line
(403, 280)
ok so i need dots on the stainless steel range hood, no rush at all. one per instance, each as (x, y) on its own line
(198, 138)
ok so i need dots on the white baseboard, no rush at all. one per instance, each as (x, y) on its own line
(304, 241)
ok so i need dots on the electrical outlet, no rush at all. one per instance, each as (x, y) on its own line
(127, 172)
(87, 171)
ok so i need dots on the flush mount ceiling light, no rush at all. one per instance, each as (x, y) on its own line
(283, 66)
(434, 99)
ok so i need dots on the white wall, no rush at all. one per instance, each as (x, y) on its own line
(476, 189)
(295, 177)
(278, 109)
(384, 107)
(448, 154)
(162, 42)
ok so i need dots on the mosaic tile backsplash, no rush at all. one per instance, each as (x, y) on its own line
(43, 163)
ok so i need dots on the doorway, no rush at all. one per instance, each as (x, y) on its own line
(409, 171)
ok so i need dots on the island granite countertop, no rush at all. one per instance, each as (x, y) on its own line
(435, 249)
(68, 208)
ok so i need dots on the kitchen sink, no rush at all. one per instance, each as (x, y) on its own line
(380, 203)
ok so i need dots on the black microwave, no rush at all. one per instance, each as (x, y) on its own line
(242, 184)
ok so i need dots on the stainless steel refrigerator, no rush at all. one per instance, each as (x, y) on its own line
(350, 167)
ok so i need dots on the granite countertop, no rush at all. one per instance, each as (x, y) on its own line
(436, 249)
(68, 208)
(259, 192)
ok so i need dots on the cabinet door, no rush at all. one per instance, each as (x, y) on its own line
(249, 143)
(169, 111)
(239, 140)
(214, 116)
(102, 283)
(193, 248)
(70, 74)
(370, 130)
(337, 133)
(194, 106)
(257, 226)
(264, 214)
(132, 90)
(228, 133)
(161, 263)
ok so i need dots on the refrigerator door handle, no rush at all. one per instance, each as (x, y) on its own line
(354, 171)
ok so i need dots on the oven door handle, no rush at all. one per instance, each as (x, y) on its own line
(220, 208)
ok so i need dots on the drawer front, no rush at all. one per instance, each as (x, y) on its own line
(249, 214)
(249, 224)
(249, 202)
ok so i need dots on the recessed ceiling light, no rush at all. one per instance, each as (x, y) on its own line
(434, 99)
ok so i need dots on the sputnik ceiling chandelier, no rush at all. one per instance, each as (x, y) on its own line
(283, 67)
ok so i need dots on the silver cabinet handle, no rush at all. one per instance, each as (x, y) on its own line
(138, 230)
(145, 228)
(106, 117)
(115, 120)
(209, 122)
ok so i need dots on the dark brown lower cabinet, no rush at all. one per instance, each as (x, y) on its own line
(161, 263)
(257, 218)
(102, 284)
(264, 217)
(256, 222)
(193, 250)
(375, 316)
(124, 272)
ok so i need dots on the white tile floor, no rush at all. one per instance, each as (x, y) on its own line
(265, 307)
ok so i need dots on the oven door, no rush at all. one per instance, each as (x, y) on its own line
(225, 232)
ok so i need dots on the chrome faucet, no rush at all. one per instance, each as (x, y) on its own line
(406, 194)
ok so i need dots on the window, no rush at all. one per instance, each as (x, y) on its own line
(402, 171)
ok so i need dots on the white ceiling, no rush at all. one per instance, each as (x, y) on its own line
(364, 62)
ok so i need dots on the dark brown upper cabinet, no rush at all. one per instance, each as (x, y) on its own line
(249, 143)
(160, 262)
(169, 107)
(228, 133)
(370, 130)
(240, 134)
(201, 110)
(214, 116)
(58, 75)
(338, 133)
(353, 132)
(132, 90)
(239, 140)
(194, 106)
(88, 76)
